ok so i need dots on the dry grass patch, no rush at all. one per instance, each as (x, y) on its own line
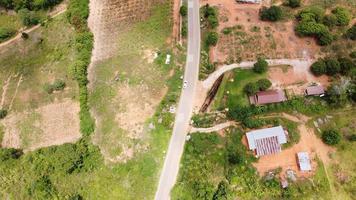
(53, 124)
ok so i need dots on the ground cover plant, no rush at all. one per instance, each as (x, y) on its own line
(225, 171)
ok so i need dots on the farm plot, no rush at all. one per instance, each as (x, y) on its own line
(243, 36)
(37, 89)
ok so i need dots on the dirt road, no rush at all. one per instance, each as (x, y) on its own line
(60, 9)
(298, 64)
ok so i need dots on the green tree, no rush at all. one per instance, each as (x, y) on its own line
(251, 88)
(332, 66)
(183, 10)
(260, 66)
(325, 38)
(343, 16)
(311, 14)
(346, 65)
(264, 84)
(293, 3)
(213, 21)
(274, 13)
(28, 18)
(331, 137)
(330, 20)
(212, 39)
(351, 33)
(318, 68)
(336, 95)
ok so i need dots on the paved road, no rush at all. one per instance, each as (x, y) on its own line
(176, 146)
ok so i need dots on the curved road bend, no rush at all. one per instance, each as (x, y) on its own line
(185, 107)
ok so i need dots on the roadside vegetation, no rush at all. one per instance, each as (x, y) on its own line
(225, 171)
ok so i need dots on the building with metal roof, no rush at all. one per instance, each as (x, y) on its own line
(314, 90)
(266, 141)
(304, 161)
(269, 96)
(249, 1)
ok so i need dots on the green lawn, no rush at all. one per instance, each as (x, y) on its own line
(231, 91)
(10, 21)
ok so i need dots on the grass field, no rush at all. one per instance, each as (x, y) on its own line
(231, 90)
(342, 172)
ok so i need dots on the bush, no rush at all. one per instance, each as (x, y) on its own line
(325, 38)
(260, 66)
(184, 30)
(332, 67)
(346, 65)
(311, 14)
(318, 68)
(352, 138)
(336, 95)
(212, 39)
(251, 88)
(293, 3)
(353, 54)
(274, 13)
(331, 137)
(3, 113)
(6, 33)
(342, 15)
(330, 20)
(183, 10)
(310, 29)
(351, 34)
(28, 18)
(264, 84)
(213, 21)
(59, 85)
(227, 31)
(11, 153)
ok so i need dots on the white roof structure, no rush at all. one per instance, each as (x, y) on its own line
(266, 141)
(304, 161)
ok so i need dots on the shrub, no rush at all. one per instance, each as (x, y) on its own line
(212, 39)
(352, 138)
(310, 29)
(318, 68)
(251, 88)
(209, 11)
(213, 21)
(184, 30)
(260, 66)
(351, 34)
(330, 20)
(293, 3)
(336, 95)
(353, 54)
(325, 38)
(28, 18)
(183, 10)
(6, 33)
(274, 13)
(346, 65)
(3, 113)
(11, 153)
(311, 14)
(264, 84)
(342, 15)
(59, 84)
(24, 35)
(227, 31)
(331, 137)
(332, 67)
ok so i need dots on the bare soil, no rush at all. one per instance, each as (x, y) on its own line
(256, 37)
(295, 79)
(57, 123)
(287, 159)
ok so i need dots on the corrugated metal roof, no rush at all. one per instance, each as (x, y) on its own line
(267, 146)
(315, 90)
(304, 161)
(269, 96)
(277, 131)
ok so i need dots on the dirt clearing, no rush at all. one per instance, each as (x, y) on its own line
(252, 37)
(287, 159)
(52, 124)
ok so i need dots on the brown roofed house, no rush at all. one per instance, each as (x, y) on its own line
(314, 90)
(269, 96)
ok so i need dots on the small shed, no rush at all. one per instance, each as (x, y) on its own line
(314, 90)
(304, 161)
